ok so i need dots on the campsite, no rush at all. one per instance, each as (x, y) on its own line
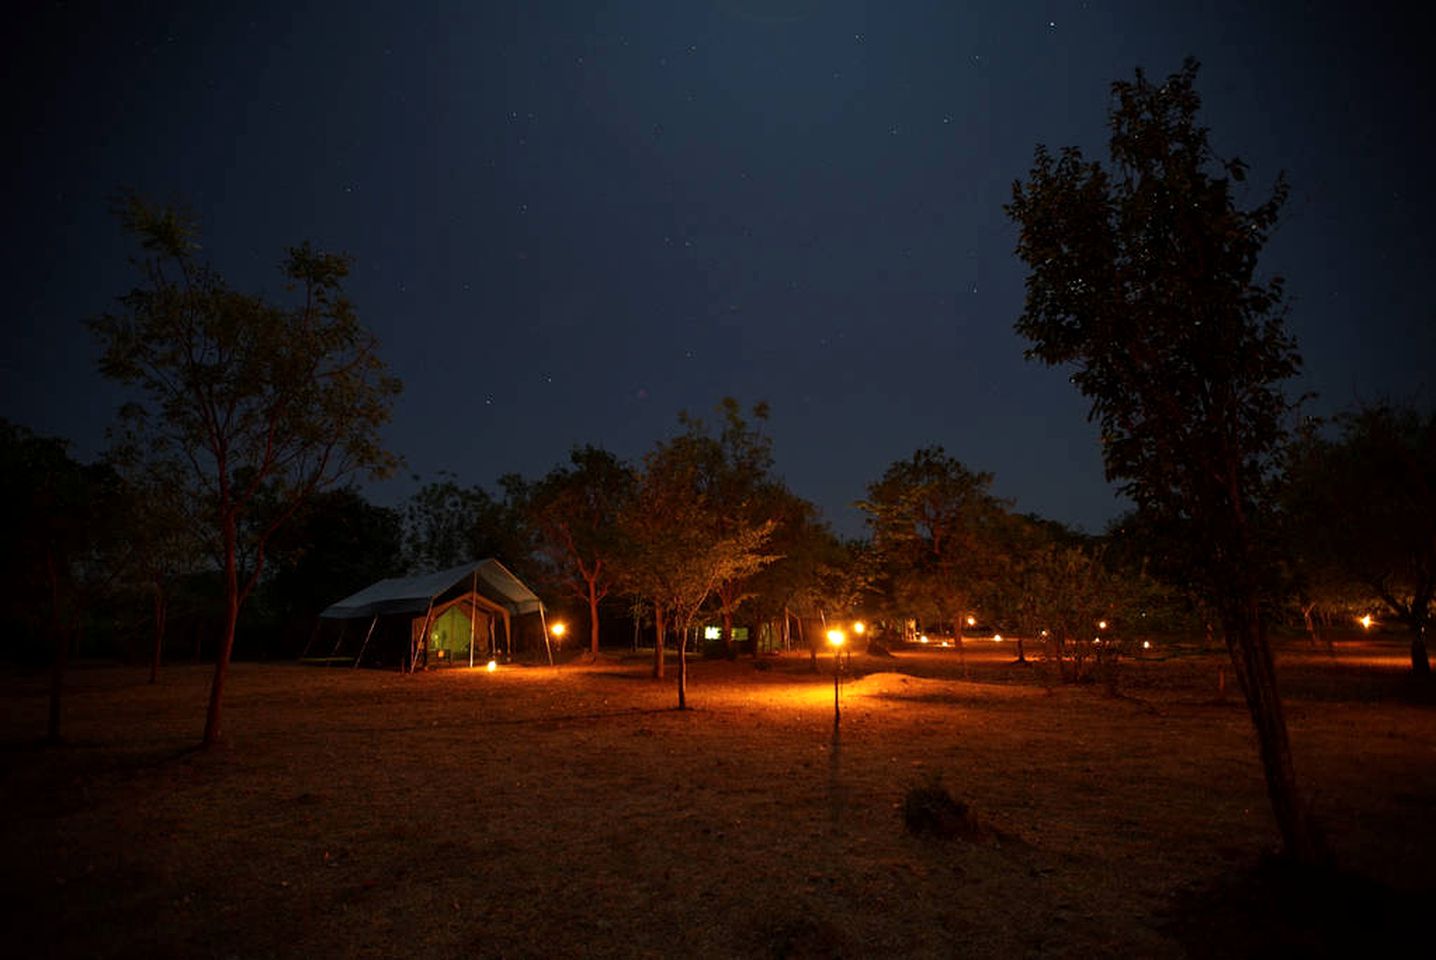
(573, 812)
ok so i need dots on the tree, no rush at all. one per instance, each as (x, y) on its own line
(1142, 279)
(575, 512)
(335, 544)
(674, 554)
(446, 525)
(1016, 566)
(159, 535)
(1363, 514)
(264, 404)
(805, 550)
(934, 524)
(744, 495)
(59, 542)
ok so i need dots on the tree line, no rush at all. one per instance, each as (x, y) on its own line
(232, 469)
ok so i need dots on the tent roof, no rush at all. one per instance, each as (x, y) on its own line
(414, 594)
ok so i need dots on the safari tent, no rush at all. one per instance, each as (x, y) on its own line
(460, 616)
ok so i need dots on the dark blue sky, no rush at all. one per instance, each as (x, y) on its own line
(570, 221)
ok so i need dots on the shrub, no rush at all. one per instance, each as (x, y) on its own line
(929, 810)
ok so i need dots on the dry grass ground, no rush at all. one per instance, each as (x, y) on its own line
(572, 812)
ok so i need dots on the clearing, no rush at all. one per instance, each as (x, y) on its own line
(572, 812)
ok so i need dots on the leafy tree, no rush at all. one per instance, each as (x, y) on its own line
(1020, 545)
(58, 543)
(446, 525)
(807, 554)
(265, 404)
(160, 536)
(336, 543)
(1142, 278)
(676, 550)
(934, 527)
(1082, 608)
(575, 513)
(741, 491)
(1363, 514)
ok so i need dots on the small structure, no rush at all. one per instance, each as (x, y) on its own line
(460, 616)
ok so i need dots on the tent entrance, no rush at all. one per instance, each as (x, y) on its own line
(460, 632)
(459, 636)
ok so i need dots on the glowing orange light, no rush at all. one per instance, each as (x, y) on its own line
(1146, 644)
(971, 621)
(1101, 624)
(859, 627)
(997, 638)
(922, 638)
(492, 666)
(837, 638)
(1366, 622)
(559, 629)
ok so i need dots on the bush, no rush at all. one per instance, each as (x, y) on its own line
(929, 810)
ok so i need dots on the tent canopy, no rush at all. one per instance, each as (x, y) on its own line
(491, 579)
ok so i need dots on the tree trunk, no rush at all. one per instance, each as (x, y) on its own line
(728, 650)
(683, 671)
(956, 622)
(1312, 632)
(161, 615)
(61, 647)
(658, 628)
(1256, 674)
(1420, 663)
(226, 646)
(593, 616)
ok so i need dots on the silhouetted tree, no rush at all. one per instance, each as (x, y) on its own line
(161, 539)
(804, 548)
(934, 526)
(58, 545)
(1142, 279)
(265, 404)
(335, 544)
(575, 513)
(446, 525)
(1363, 514)
(744, 495)
(674, 554)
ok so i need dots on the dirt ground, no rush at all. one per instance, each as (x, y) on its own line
(572, 812)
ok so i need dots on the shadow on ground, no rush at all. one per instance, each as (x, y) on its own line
(1279, 909)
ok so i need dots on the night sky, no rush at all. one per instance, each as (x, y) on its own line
(572, 220)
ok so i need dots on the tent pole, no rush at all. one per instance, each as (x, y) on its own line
(424, 636)
(473, 615)
(543, 622)
(365, 645)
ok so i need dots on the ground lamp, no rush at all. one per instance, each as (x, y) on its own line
(836, 639)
